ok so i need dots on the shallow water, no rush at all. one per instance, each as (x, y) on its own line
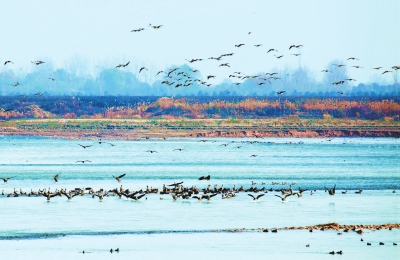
(153, 227)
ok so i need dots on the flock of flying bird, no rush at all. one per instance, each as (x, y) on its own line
(176, 77)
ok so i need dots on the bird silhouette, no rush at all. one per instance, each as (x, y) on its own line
(256, 198)
(142, 68)
(6, 179)
(84, 146)
(38, 62)
(331, 191)
(284, 198)
(123, 65)
(118, 178)
(207, 178)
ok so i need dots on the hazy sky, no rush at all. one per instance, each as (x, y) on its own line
(99, 32)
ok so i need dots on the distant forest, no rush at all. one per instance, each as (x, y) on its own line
(184, 80)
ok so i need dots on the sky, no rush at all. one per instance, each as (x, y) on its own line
(97, 34)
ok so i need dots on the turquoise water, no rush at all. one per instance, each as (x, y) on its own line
(31, 227)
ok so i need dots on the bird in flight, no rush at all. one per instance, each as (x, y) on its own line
(258, 45)
(150, 151)
(52, 79)
(256, 198)
(272, 49)
(118, 178)
(142, 68)
(284, 198)
(278, 57)
(38, 62)
(207, 178)
(137, 30)
(84, 146)
(56, 177)
(179, 149)
(295, 46)
(377, 68)
(123, 65)
(15, 84)
(352, 58)
(83, 161)
(280, 92)
(8, 61)
(386, 71)
(331, 191)
(239, 45)
(6, 179)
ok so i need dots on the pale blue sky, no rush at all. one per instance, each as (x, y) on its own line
(99, 32)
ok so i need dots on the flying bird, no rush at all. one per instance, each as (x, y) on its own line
(6, 179)
(8, 61)
(15, 84)
(137, 30)
(84, 146)
(239, 45)
(207, 178)
(118, 178)
(284, 198)
(280, 92)
(256, 198)
(331, 191)
(142, 68)
(278, 57)
(83, 161)
(123, 65)
(38, 62)
(56, 177)
(150, 151)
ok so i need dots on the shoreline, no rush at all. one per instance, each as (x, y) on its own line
(131, 129)
(341, 228)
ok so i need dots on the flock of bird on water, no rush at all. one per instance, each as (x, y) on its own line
(176, 190)
(177, 78)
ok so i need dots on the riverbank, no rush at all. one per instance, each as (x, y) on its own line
(133, 129)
